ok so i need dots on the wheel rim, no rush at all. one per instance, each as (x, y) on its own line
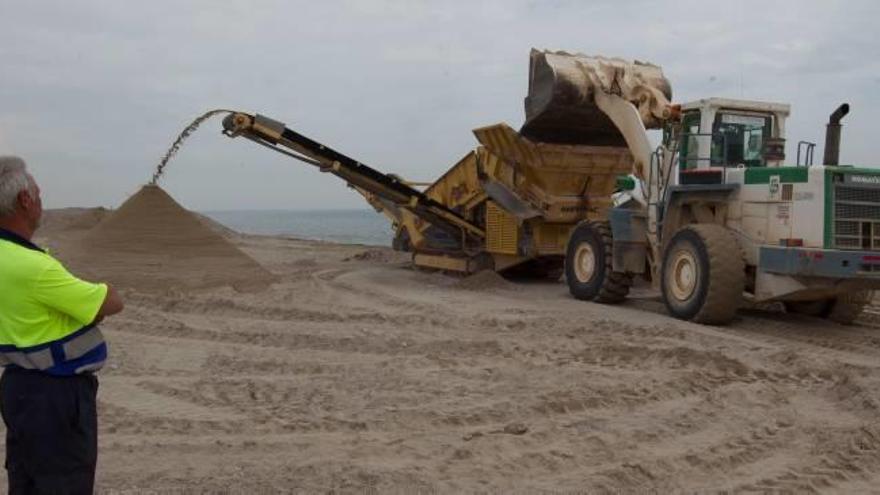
(684, 275)
(584, 262)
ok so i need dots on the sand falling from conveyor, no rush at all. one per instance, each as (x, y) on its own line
(175, 146)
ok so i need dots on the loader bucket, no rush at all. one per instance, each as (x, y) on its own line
(560, 106)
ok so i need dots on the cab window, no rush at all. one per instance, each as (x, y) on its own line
(688, 155)
(738, 139)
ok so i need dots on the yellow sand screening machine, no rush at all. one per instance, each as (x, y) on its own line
(511, 203)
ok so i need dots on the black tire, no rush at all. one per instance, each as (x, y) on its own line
(843, 309)
(604, 285)
(847, 308)
(713, 291)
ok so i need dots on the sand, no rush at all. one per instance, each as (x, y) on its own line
(485, 280)
(363, 376)
(152, 243)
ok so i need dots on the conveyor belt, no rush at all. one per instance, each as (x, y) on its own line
(277, 136)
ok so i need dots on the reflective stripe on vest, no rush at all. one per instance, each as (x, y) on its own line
(57, 357)
(40, 360)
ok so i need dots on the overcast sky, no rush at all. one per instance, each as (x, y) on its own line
(93, 92)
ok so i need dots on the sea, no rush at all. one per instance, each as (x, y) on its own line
(339, 226)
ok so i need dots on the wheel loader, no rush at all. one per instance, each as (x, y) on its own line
(710, 217)
(713, 217)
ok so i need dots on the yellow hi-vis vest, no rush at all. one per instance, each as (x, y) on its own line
(46, 314)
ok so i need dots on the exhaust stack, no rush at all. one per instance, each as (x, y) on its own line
(832, 135)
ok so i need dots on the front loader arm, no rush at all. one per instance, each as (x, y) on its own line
(629, 122)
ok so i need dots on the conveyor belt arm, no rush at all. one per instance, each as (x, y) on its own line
(277, 136)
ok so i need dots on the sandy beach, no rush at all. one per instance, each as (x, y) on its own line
(355, 373)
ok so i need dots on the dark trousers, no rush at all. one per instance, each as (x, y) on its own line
(51, 432)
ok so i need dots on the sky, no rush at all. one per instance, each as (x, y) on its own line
(93, 92)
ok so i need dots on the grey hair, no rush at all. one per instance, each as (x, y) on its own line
(13, 180)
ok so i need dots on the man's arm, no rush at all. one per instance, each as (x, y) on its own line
(86, 302)
(112, 304)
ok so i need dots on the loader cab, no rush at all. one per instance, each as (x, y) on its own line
(717, 133)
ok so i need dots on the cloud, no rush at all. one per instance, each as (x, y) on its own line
(94, 91)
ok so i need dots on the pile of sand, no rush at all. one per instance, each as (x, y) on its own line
(153, 243)
(216, 226)
(71, 219)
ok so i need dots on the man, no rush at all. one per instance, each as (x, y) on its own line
(50, 346)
